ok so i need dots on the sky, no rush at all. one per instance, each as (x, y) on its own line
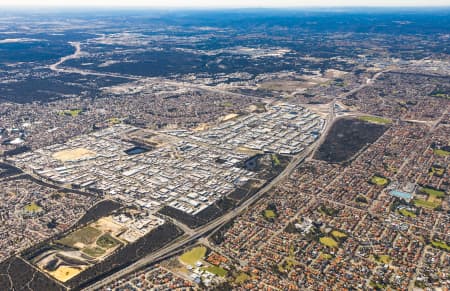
(222, 3)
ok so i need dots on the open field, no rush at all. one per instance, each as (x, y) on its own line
(93, 251)
(326, 256)
(338, 235)
(441, 153)
(193, 256)
(32, 208)
(114, 120)
(441, 245)
(106, 241)
(437, 171)
(379, 181)
(269, 214)
(216, 271)
(433, 192)
(426, 203)
(71, 112)
(287, 264)
(64, 273)
(73, 154)
(241, 278)
(407, 213)
(384, 259)
(376, 119)
(85, 236)
(329, 242)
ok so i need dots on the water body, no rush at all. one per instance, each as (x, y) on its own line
(136, 150)
(400, 194)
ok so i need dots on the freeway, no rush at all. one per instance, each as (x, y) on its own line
(215, 224)
(198, 233)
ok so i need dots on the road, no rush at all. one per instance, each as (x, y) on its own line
(175, 246)
(70, 70)
(215, 224)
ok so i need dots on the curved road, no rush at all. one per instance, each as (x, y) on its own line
(215, 224)
(175, 246)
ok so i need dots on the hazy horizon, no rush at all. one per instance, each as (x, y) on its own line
(203, 4)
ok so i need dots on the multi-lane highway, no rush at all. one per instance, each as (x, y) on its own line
(175, 246)
(219, 222)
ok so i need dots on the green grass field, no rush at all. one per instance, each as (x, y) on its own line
(193, 256)
(71, 112)
(385, 259)
(338, 234)
(269, 214)
(426, 204)
(326, 256)
(407, 213)
(106, 241)
(94, 252)
(376, 119)
(433, 192)
(32, 207)
(114, 120)
(329, 242)
(437, 171)
(241, 278)
(221, 272)
(87, 235)
(441, 153)
(379, 181)
(441, 245)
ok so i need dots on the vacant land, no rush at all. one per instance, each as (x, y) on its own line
(193, 256)
(269, 214)
(123, 256)
(441, 245)
(241, 278)
(32, 208)
(338, 234)
(71, 112)
(216, 271)
(433, 192)
(346, 138)
(86, 236)
(441, 152)
(101, 209)
(384, 259)
(64, 273)
(407, 213)
(329, 242)
(106, 241)
(437, 171)
(94, 251)
(426, 203)
(379, 181)
(376, 119)
(73, 154)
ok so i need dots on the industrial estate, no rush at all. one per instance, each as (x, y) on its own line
(225, 150)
